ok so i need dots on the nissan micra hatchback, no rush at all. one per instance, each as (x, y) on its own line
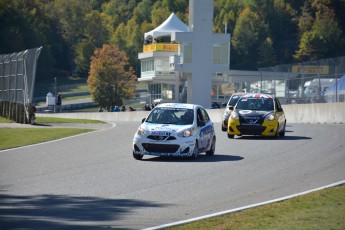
(257, 114)
(174, 129)
(230, 105)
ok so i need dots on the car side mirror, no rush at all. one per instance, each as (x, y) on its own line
(143, 120)
(280, 110)
(231, 107)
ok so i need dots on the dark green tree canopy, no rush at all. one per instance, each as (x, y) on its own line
(263, 32)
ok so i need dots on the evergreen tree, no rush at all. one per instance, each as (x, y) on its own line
(263, 33)
(245, 39)
(324, 39)
(97, 31)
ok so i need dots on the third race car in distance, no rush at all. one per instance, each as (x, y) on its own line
(229, 106)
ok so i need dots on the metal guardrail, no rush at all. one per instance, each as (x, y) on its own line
(17, 81)
(307, 82)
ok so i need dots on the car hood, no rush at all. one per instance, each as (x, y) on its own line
(165, 127)
(253, 113)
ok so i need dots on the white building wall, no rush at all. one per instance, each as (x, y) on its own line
(201, 26)
(202, 38)
(198, 67)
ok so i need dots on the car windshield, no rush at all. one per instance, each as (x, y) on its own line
(262, 104)
(234, 100)
(179, 116)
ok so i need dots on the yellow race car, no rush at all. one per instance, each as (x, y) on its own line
(257, 114)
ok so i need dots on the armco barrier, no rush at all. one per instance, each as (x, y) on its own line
(323, 113)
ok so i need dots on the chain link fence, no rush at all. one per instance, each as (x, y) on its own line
(17, 81)
(321, 81)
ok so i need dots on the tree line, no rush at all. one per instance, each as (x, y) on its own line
(263, 32)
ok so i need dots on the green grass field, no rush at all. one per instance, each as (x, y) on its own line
(43, 120)
(320, 210)
(17, 137)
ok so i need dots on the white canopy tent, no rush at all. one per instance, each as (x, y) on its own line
(172, 24)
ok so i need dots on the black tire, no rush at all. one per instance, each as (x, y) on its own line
(195, 152)
(231, 136)
(213, 147)
(282, 134)
(137, 156)
(277, 132)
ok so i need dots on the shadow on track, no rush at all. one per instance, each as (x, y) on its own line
(63, 212)
(40, 124)
(286, 138)
(201, 158)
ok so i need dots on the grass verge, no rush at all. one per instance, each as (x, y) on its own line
(324, 209)
(43, 120)
(5, 120)
(17, 137)
(12, 137)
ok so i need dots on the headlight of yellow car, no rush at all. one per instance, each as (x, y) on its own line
(270, 117)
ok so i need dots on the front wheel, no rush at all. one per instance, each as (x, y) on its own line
(137, 156)
(277, 132)
(282, 134)
(231, 136)
(195, 152)
(213, 147)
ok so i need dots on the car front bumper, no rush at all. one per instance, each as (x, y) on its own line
(181, 147)
(267, 128)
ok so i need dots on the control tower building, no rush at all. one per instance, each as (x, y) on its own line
(179, 61)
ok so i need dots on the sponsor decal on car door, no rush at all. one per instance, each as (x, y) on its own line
(205, 136)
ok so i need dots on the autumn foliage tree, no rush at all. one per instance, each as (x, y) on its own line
(111, 79)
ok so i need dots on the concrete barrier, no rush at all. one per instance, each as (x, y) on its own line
(323, 113)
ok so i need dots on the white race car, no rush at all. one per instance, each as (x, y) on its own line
(175, 129)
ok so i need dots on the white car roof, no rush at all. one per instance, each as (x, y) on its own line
(177, 105)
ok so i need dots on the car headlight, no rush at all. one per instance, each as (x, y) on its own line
(185, 133)
(270, 117)
(141, 131)
(234, 116)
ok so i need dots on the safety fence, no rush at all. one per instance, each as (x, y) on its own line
(319, 81)
(17, 81)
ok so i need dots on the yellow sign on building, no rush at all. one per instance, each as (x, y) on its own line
(310, 69)
(161, 47)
